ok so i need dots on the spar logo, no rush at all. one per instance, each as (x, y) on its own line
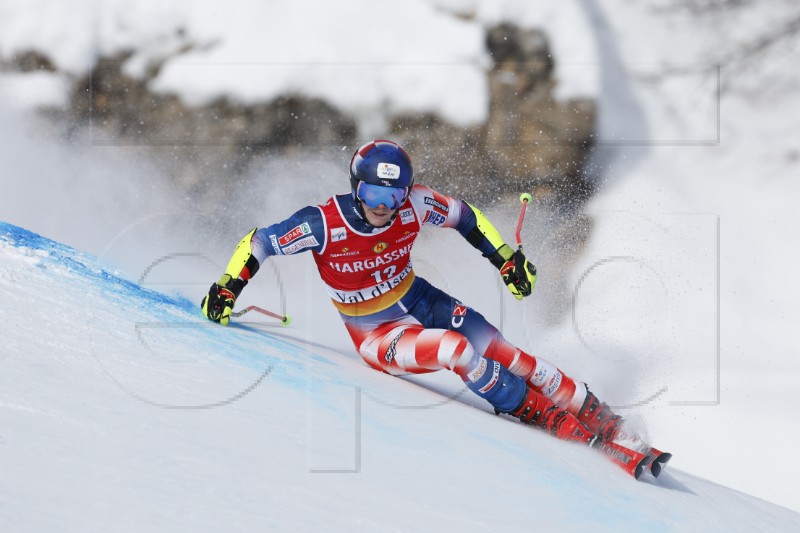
(381, 246)
(459, 312)
(295, 233)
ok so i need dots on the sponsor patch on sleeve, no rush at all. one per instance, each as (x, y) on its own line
(305, 242)
(432, 217)
(438, 204)
(274, 240)
(294, 234)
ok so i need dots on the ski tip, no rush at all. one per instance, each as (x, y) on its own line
(641, 467)
(659, 463)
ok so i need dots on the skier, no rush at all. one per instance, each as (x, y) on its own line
(361, 242)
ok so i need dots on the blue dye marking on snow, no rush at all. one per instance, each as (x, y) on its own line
(288, 362)
(257, 350)
(78, 263)
(291, 363)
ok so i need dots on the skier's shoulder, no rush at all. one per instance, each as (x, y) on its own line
(342, 204)
(333, 201)
(302, 230)
(310, 214)
(419, 190)
(432, 206)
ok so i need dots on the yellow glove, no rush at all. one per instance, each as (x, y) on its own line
(518, 273)
(218, 304)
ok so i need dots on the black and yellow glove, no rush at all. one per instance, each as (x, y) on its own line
(518, 273)
(218, 304)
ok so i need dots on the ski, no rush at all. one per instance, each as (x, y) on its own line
(658, 460)
(631, 461)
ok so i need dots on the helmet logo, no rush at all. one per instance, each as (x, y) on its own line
(388, 171)
(378, 248)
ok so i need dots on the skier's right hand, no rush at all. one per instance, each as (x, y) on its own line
(218, 304)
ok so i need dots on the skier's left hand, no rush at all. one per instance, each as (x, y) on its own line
(218, 304)
(519, 275)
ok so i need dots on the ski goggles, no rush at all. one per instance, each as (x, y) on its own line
(375, 195)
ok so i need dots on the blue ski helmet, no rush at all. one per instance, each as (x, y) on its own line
(381, 173)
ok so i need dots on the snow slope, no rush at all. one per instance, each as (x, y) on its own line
(122, 409)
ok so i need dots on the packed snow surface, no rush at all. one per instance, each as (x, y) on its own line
(122, 409)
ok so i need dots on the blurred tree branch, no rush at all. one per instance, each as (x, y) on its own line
(734, 58)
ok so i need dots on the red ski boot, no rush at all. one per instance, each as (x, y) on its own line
(599, 417)
(539, 410)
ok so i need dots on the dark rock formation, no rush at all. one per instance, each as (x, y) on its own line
(529, 142)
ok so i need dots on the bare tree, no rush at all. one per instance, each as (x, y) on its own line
(737, 55)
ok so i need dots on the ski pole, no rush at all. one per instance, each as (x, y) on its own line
(524, 198)
(285, 319)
